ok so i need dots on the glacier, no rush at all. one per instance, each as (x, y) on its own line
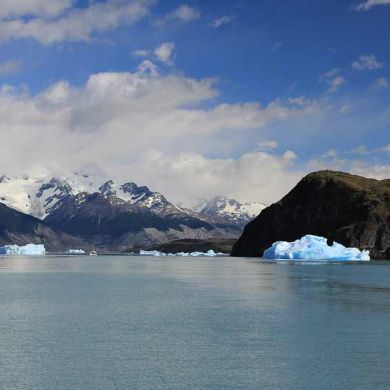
(209, 253)
(312, 247)
(29, 249)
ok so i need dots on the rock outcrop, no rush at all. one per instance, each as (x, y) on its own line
(349, 209)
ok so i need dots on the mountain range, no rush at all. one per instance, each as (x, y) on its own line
(114, 217)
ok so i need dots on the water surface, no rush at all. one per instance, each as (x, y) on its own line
(223, 323)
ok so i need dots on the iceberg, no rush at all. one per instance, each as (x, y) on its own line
(209, 253)
(75, 252)
(312, 247)
(29, 249)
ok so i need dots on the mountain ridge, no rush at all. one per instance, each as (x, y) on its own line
(115, 216)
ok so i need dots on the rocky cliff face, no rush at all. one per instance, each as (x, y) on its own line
(349, 209)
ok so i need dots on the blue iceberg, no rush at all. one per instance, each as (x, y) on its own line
(29, 249)
(312, 247)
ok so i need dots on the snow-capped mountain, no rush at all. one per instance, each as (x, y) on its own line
(41, 196)
(231, 211)
(106, 214)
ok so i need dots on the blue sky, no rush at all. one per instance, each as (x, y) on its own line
(299, 85)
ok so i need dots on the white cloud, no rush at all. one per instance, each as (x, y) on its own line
(254, 176)
(336, 83)
(160, 130)
(76, 24)
(10, 67)
(147, 67)
(164, 52)
(333, 79)
(184, 14)
(381, 83)
(368, 4)
(266, 145)
(367, 62)
(41, 8)
(140, 53)
(362, 149)
(351, 161)
(385, 148)
(222, 20)
(331, 153)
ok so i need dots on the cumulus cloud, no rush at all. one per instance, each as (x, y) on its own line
(10, 67)
(381, 83)
(184, 13)
(164, 52)
(386, 148)
(333, 79)
(41, 8)
(266, 145)
(253, 176)
(161, 130)
(367, 62)
(368, 4)
(351, 161)
(75, 24)
(354, 166)
(140, 53)
(222, 20)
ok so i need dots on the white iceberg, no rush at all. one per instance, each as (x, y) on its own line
(312, 247)
(75, 252)
(209, 253)
(29, 249)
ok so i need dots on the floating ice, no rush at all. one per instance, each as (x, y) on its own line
(75, 252)
(209, 253)
(29, 249)
(312, 247)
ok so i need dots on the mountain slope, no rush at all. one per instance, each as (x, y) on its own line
(349, 209)
(21, 229)
(107, 221)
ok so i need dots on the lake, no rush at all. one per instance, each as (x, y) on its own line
(121, 322)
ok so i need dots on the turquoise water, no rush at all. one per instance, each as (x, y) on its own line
(192, 323)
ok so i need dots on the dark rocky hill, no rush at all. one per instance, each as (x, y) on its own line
(349, 209)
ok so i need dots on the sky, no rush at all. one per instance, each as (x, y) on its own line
(196, 99)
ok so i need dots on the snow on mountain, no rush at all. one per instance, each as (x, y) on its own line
(140, 195)
(231, 211)
(40, 196)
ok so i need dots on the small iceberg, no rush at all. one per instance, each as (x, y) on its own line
(312, 247)
(75, 252)
(209, 253)
(29, 249)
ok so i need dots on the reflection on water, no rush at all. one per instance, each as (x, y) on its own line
(131, 322)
